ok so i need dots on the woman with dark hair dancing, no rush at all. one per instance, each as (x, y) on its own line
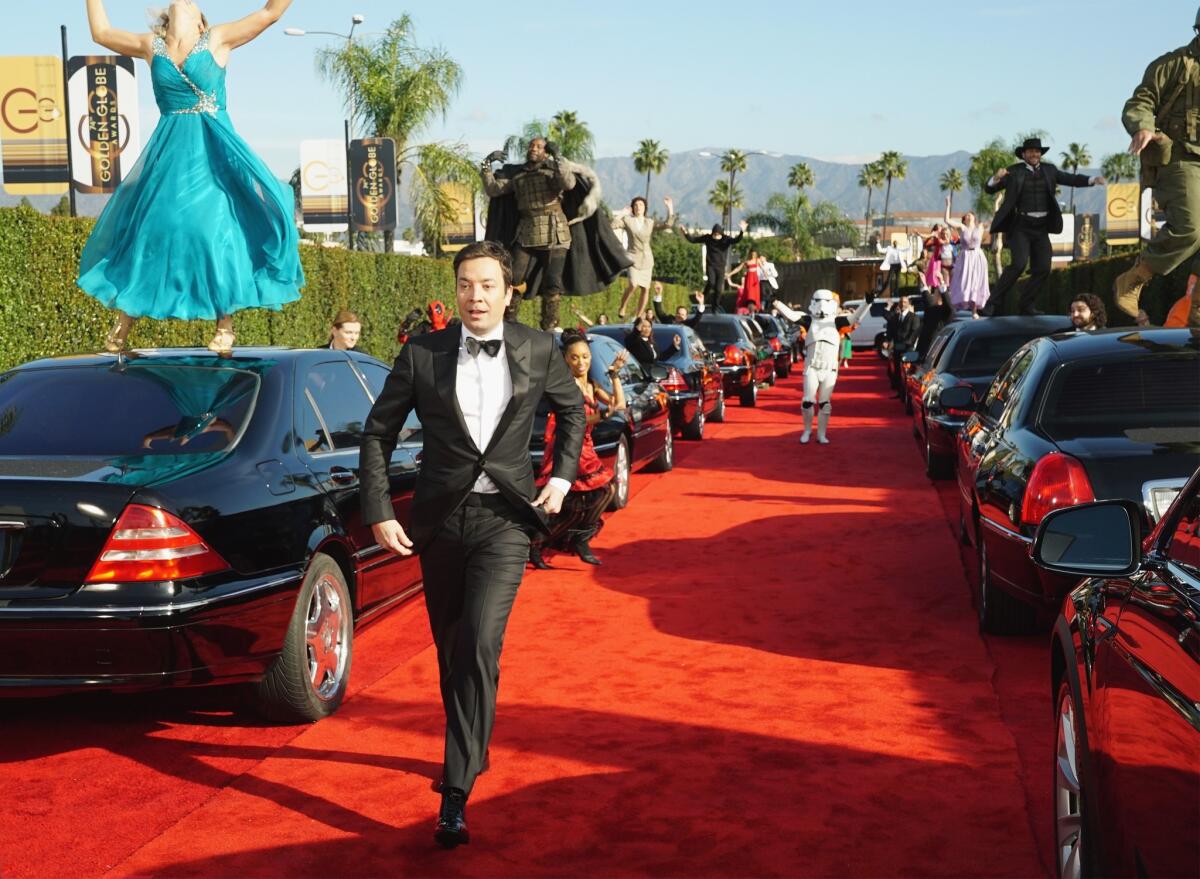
(593, 488)
(640, 229)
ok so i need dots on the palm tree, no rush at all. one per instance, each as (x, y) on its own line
(571, 135)
(394, 87)
(725, 197)
(894, 167)
(809, 229)
(952, 182)
(1076, 155)
(1119, 166)
(800, 176)
(649, 158)
(870, 178)
(434, 202)
(984, 165)
(733, 162)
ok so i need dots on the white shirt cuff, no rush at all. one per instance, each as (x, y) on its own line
(700, 307)
(657, 298)
(561, 484)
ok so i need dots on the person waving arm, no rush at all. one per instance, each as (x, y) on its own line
(234, 34)
(120, 41)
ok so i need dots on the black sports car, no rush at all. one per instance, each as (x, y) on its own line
(742, 350)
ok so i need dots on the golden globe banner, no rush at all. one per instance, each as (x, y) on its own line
(33, 131)
(324, 196)
(104, 120)
(462, 225)
(373, 170)
(1121, 202)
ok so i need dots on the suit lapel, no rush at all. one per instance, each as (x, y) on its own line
(445, 375)
(516, 351)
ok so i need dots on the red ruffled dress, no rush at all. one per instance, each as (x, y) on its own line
(592, 473)
(750, 289)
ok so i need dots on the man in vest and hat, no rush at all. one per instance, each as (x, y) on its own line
(1027, 218)
(1162, 117)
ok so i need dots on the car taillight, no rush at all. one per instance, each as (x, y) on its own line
(149, 544)
(776, 345)
(733, 355)
(674, 383)
(961, 413)
(1057, 480)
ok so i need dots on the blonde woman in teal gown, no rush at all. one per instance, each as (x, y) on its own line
(200, 228)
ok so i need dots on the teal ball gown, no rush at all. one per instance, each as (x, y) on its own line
(200, 228)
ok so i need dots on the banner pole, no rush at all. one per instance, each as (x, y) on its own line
(350, 232)
(67, 123)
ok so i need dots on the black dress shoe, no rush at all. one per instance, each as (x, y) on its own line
(451, 828)
(535, 558)
(585, 552)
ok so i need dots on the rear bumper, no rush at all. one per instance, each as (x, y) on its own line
(683, 406)
(230, 633)
(734, 378)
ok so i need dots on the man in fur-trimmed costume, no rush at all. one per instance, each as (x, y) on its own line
(822, 353)
(544, 211)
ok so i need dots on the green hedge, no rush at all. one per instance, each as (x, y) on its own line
(43, 313)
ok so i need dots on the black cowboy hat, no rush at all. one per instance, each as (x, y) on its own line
(1031, 143)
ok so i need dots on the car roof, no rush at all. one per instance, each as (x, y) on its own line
(1120, 342)
(1004, 326)
(166, 356)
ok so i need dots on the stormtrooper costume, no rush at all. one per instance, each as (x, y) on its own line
(822, 349)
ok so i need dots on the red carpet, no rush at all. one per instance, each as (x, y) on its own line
(775, 673)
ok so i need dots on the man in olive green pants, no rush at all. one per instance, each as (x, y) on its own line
(1163, 117)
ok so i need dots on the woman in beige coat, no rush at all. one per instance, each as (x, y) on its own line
(640, 229)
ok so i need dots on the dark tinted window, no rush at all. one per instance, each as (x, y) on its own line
(1005, 386)
(1148, 393)
(376, 375)
(718, 332)
(151, 409)
(752, 329)
(341, 407)
(1185, 539)
(878, 309)
(984, 354)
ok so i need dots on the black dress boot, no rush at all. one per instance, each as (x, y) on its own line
(451, 828)
(584, 551)
(535, 557)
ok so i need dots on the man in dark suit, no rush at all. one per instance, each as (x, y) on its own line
(475, 387)
(1027, 218)
(908, 331)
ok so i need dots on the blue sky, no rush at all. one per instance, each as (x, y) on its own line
(838, 80)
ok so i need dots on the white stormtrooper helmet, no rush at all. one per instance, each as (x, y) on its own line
(824, 305)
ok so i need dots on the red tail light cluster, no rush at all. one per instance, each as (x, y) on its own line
(674, 383)
(734, 356)
(776, 345)
(148, 544)
(1057, 480)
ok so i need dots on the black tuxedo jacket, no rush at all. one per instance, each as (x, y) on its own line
(424, 378)
(669, 319)
(908, 330)
(1047, 175)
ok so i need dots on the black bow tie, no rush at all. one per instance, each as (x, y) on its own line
(491, 346)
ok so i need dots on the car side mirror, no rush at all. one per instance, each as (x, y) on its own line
(1101, 539)
(958, 397)
(659, 371)
(911, 357)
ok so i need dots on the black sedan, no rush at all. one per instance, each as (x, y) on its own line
(1069, 419)
(172, 518)
(688, 373)
(964, 353)
(777, 337)
(640, 436)
(1125, 679)
(743, 352)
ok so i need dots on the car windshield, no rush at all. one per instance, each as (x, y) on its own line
(1107, 398)
(718, 332)
(984, 355)
(105, 411)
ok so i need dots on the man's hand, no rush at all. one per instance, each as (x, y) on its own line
(1000, 175)
(743, 225)
(700, 297)
(549, 501)
(1141, 140)
(494, 156)
(1099, 181)
(391, 536)
(658, 288)
(552, 149)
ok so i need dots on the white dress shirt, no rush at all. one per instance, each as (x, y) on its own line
(483, 386)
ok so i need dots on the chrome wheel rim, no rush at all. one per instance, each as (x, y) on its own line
(1068, 816)
(669, 449)
(327, 635)
(700, 422)
(622, 473)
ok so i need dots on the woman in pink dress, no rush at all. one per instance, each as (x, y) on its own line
(935, 245)
(969, 281)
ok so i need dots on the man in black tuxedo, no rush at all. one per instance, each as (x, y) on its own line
(475, 387)
(1027, 218)
(908, 331)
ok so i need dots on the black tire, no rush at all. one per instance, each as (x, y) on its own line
(718, 413)
(694, 429)
(621, 469)
(999, 612)
(879, 340)
(749, 394)
(288, 692)
(785, 371)
(665, 461)
(908, 410)
(937, 466)
(771, 377)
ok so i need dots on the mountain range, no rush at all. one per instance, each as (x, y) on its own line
(689, 176)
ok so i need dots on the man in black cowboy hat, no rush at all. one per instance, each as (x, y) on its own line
(1027, 218)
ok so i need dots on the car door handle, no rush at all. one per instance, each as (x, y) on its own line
(343, 476)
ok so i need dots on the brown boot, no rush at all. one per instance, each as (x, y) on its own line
(1127, 288)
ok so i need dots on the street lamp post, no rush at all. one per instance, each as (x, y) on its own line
(355, 21)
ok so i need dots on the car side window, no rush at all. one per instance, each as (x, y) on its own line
(340, 404)
(935, 353)
(878, 309)
(632, 373)
(1006, 383)
(1184, 549)
(375, 376)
